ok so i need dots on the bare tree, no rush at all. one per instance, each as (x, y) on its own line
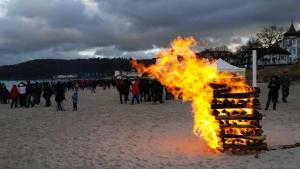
(270, 36)
(221, 48)
(244, 52)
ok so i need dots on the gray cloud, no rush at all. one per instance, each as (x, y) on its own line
(61, 29)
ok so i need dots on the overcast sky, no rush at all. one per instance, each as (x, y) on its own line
(39, 29)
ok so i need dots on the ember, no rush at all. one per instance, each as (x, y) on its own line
(223, 104)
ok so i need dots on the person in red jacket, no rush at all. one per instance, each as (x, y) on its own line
(135, 91)
(14, 94)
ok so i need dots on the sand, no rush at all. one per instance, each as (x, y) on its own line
(105, 134)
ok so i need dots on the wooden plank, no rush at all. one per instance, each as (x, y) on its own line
(256, 138)
(262, 146)
(233, 106)
(244, 117)
(235, 95)
(239, 126)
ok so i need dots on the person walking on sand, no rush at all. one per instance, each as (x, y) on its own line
(135, 92)
(75, 100)
(274, 87)
(285, 86)
(14, 94)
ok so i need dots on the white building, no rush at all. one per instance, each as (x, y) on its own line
(124, 74)
(274, 55)
(291, 42)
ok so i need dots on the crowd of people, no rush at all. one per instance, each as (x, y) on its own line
(27, 94)
(144, 89)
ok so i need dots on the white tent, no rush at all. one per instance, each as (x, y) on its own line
(223, 66)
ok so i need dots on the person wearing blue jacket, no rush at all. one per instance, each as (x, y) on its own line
(75, 100)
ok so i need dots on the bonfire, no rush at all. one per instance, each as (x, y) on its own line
(195, 79)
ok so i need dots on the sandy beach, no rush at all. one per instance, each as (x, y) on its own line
(105, 134)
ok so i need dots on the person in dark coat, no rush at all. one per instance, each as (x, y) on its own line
(126, 91)
(6, 95)
(123, 87)
(120, 89)
(59, 96)
(28, 94)
(285, 86)
(274, 87)
(141, 89)
(38, 89)
(158, 90)
(93, 86)
(147, 96)
(1, 93)
(47, 93)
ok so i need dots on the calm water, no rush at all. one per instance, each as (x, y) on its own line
(9, 84)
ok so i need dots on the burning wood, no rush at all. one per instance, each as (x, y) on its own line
(219, 100)
(239, 119)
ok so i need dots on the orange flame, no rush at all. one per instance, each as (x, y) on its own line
(189, 78)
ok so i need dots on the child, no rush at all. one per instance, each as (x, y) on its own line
(75, 100)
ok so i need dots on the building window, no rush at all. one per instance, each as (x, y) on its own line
(294, 51)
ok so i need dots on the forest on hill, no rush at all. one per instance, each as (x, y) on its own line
(47, 68)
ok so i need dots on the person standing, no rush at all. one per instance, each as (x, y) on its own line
(285, 86)
(141, 89)
(135, 92)
(120, 89)
(59, 96)
(75, 100)
(38, 92)
(126, 89)
(14, 94)
(29, 94)
(147, 96)
(6, 95)
(274, 87)
(158, 92)
(1, 93)
(47, 94)
(93, 86)
(22, 90)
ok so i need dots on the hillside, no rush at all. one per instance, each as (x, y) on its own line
(47, 68)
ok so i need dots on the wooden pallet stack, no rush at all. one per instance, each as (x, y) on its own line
(239, 119)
